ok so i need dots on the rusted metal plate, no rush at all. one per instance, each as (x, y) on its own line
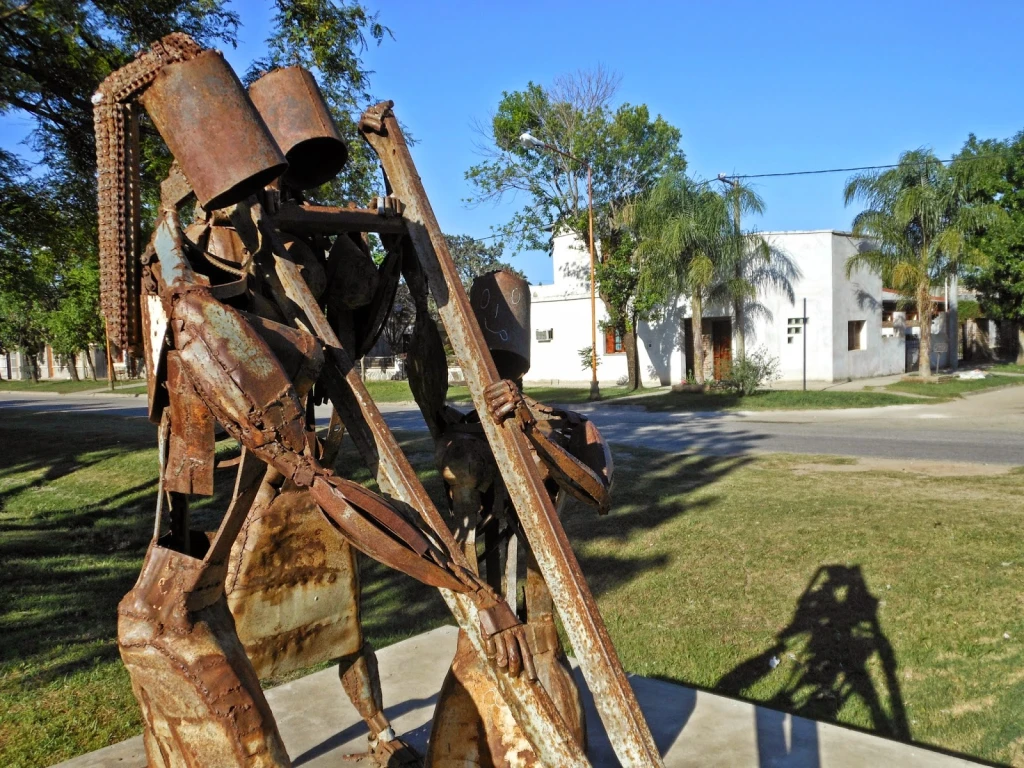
(216, 135)
(290, 102)
(501, 303)
(190, 454)
(155, 332)
(616, 703)
(293, 587)
(200, 697)
(225, 244)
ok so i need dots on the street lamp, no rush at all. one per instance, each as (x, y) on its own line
(532, 142)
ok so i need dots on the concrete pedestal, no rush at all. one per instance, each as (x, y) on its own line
(692, 728)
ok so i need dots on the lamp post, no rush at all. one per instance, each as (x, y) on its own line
(531, 142)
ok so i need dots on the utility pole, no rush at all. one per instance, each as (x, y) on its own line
(804, 334)
(953, 322)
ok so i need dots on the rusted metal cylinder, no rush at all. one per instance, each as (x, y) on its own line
(218, 138)
(297, 116)
(501, 303)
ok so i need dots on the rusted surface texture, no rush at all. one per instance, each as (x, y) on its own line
(201, 700)
(190, 454)
(293, 587)
(395, 475)
(233, 155)
(297, 351)
(616, 703)
(501, 303)
(117, 163)
(294, 110)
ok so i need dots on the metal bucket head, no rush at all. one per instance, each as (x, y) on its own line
(297, 115)
(501, 303)
(212, 129)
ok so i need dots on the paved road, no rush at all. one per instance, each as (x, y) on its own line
(986, 428)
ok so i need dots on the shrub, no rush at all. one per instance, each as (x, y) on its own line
(748, 373)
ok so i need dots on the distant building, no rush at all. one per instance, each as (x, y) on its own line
(16, 365)
(845, 334)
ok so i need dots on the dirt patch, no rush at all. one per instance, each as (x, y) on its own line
(968, 707)
(910, 466)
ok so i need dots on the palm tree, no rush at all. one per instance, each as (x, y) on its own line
(754, 263)
(922, 223)
(681, 229)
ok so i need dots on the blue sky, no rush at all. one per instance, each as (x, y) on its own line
(754, 87)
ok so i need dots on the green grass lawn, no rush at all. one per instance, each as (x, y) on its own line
(1007, 368)
(765, 400)
(886, 597)
(953, 387)
(398, 391)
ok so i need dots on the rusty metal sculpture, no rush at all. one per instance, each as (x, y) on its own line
(239, 314)
(468, 727)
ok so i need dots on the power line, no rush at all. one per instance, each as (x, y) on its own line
(817, 172)
(847, 170)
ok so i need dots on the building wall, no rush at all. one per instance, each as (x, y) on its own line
(564, 308)
(819, 259)
(859, 298)
(768, 327)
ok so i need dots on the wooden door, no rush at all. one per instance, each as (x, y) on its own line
(721, 340)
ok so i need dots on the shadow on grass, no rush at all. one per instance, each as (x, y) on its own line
(823, 660)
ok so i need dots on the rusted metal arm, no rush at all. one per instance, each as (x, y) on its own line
(329, 220)
(616, 703)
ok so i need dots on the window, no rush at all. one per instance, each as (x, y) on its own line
(855, 335)
(613, 342)
(794, 327)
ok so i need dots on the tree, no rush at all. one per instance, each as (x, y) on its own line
(474, 258)
(684, 232)
(54, 54)
(628, 301)
(754, 264)
(922, 221)
(627, 151)
(997, 173)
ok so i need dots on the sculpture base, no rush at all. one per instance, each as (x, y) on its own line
(692, 728)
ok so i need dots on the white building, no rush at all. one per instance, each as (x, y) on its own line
(845, 337)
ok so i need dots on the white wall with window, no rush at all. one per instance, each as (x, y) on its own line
(835, 303)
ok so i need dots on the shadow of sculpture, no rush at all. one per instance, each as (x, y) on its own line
(832, 655)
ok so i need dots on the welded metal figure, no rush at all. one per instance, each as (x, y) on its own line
(212, 361)
(470, 725)
(246, 316)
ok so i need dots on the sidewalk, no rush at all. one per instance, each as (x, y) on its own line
(692, 728)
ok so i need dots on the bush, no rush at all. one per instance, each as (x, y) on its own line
(750, 372)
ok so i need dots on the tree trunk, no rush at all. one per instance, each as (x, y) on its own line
(33, 367)
(90, 364)
(629, 345)
(698, 338)
(924, 319)
(73, 366)
(1020, 344)
(740, 334)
